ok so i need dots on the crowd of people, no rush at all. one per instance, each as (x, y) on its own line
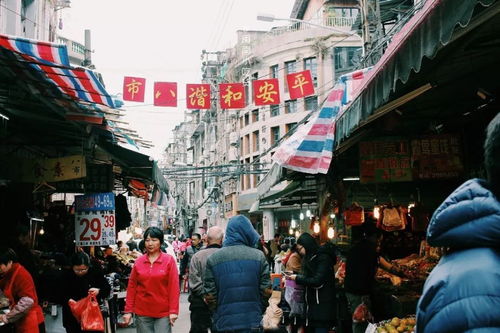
(229, 273)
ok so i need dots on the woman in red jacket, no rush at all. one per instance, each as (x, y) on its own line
(17, 285)
(153, 287)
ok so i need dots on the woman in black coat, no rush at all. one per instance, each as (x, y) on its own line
(319, 279)
(80, 280)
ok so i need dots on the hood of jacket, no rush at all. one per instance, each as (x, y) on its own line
(309, 243)
(240, 231)
(469, 217)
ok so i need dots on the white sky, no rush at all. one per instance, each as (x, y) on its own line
(161, 40)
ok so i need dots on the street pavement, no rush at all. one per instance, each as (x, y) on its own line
(182, 325)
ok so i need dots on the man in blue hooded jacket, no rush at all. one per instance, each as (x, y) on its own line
(462, 294)
(237, 281)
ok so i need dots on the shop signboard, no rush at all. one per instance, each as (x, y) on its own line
(37, 170)
(385, 160)
(95, 222)
(437, 156)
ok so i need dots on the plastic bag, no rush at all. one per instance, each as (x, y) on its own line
(294, 295)
(92, 319)
(362, 314)
(88, 313)
(77, 307)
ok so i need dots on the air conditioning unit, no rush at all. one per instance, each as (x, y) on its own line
(233, 138)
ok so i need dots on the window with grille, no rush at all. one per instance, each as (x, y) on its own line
(275, 134)
(273, 71)
(311, 103)
(312, 65)
(291, 106)
(275, 110)
(346, 59)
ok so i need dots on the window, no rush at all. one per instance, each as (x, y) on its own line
(247, 119)
(247, 176)
(241, 122)
(342, 12)
(311, 103)
(291, 106)
(275, 134)
(247, 144)
(255, 76)
(255, 115)
(290, 67)
(273, 71)
(290, 126)
(312, 65)
(346, 59)
(275, 110)
(255, 140)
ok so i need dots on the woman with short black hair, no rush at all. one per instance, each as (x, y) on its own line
(17, 285)
(79, 281)
(153, 287)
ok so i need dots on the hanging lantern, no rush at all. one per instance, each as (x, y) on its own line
(41, 231)
(308, 213)
(376, 212)
(331, 232)
(301, 216)
(290, 231)
(316, 227)
(332, 216)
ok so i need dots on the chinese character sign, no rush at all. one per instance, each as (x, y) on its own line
(232, 95)
(95, 222)
(165, 94)
(300, 84)
(133, 89)
(198, 96)
(266, 92)
(53, 169)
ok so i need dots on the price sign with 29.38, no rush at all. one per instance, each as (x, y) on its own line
(95, 228)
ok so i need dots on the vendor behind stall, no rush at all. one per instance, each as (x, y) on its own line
(362, 262)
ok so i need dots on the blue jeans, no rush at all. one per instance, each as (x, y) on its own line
(153, 325)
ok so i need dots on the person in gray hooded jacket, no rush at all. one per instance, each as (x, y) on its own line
(462, 293)
(237, 281)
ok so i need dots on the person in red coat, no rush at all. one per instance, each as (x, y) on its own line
(17, 285)
(153, 287)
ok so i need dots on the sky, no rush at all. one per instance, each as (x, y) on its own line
(161, 40)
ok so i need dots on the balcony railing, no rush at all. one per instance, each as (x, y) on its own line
(344, 23)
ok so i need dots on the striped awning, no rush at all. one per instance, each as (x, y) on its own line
(52, 62)
(310, 148)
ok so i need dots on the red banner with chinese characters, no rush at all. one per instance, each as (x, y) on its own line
(133, 89)
(300, 84)
(165, 94)
(266, 92)
(198, 96)
(385, 160)
(232, 95)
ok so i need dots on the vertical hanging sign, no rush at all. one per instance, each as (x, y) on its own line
(95, 219)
